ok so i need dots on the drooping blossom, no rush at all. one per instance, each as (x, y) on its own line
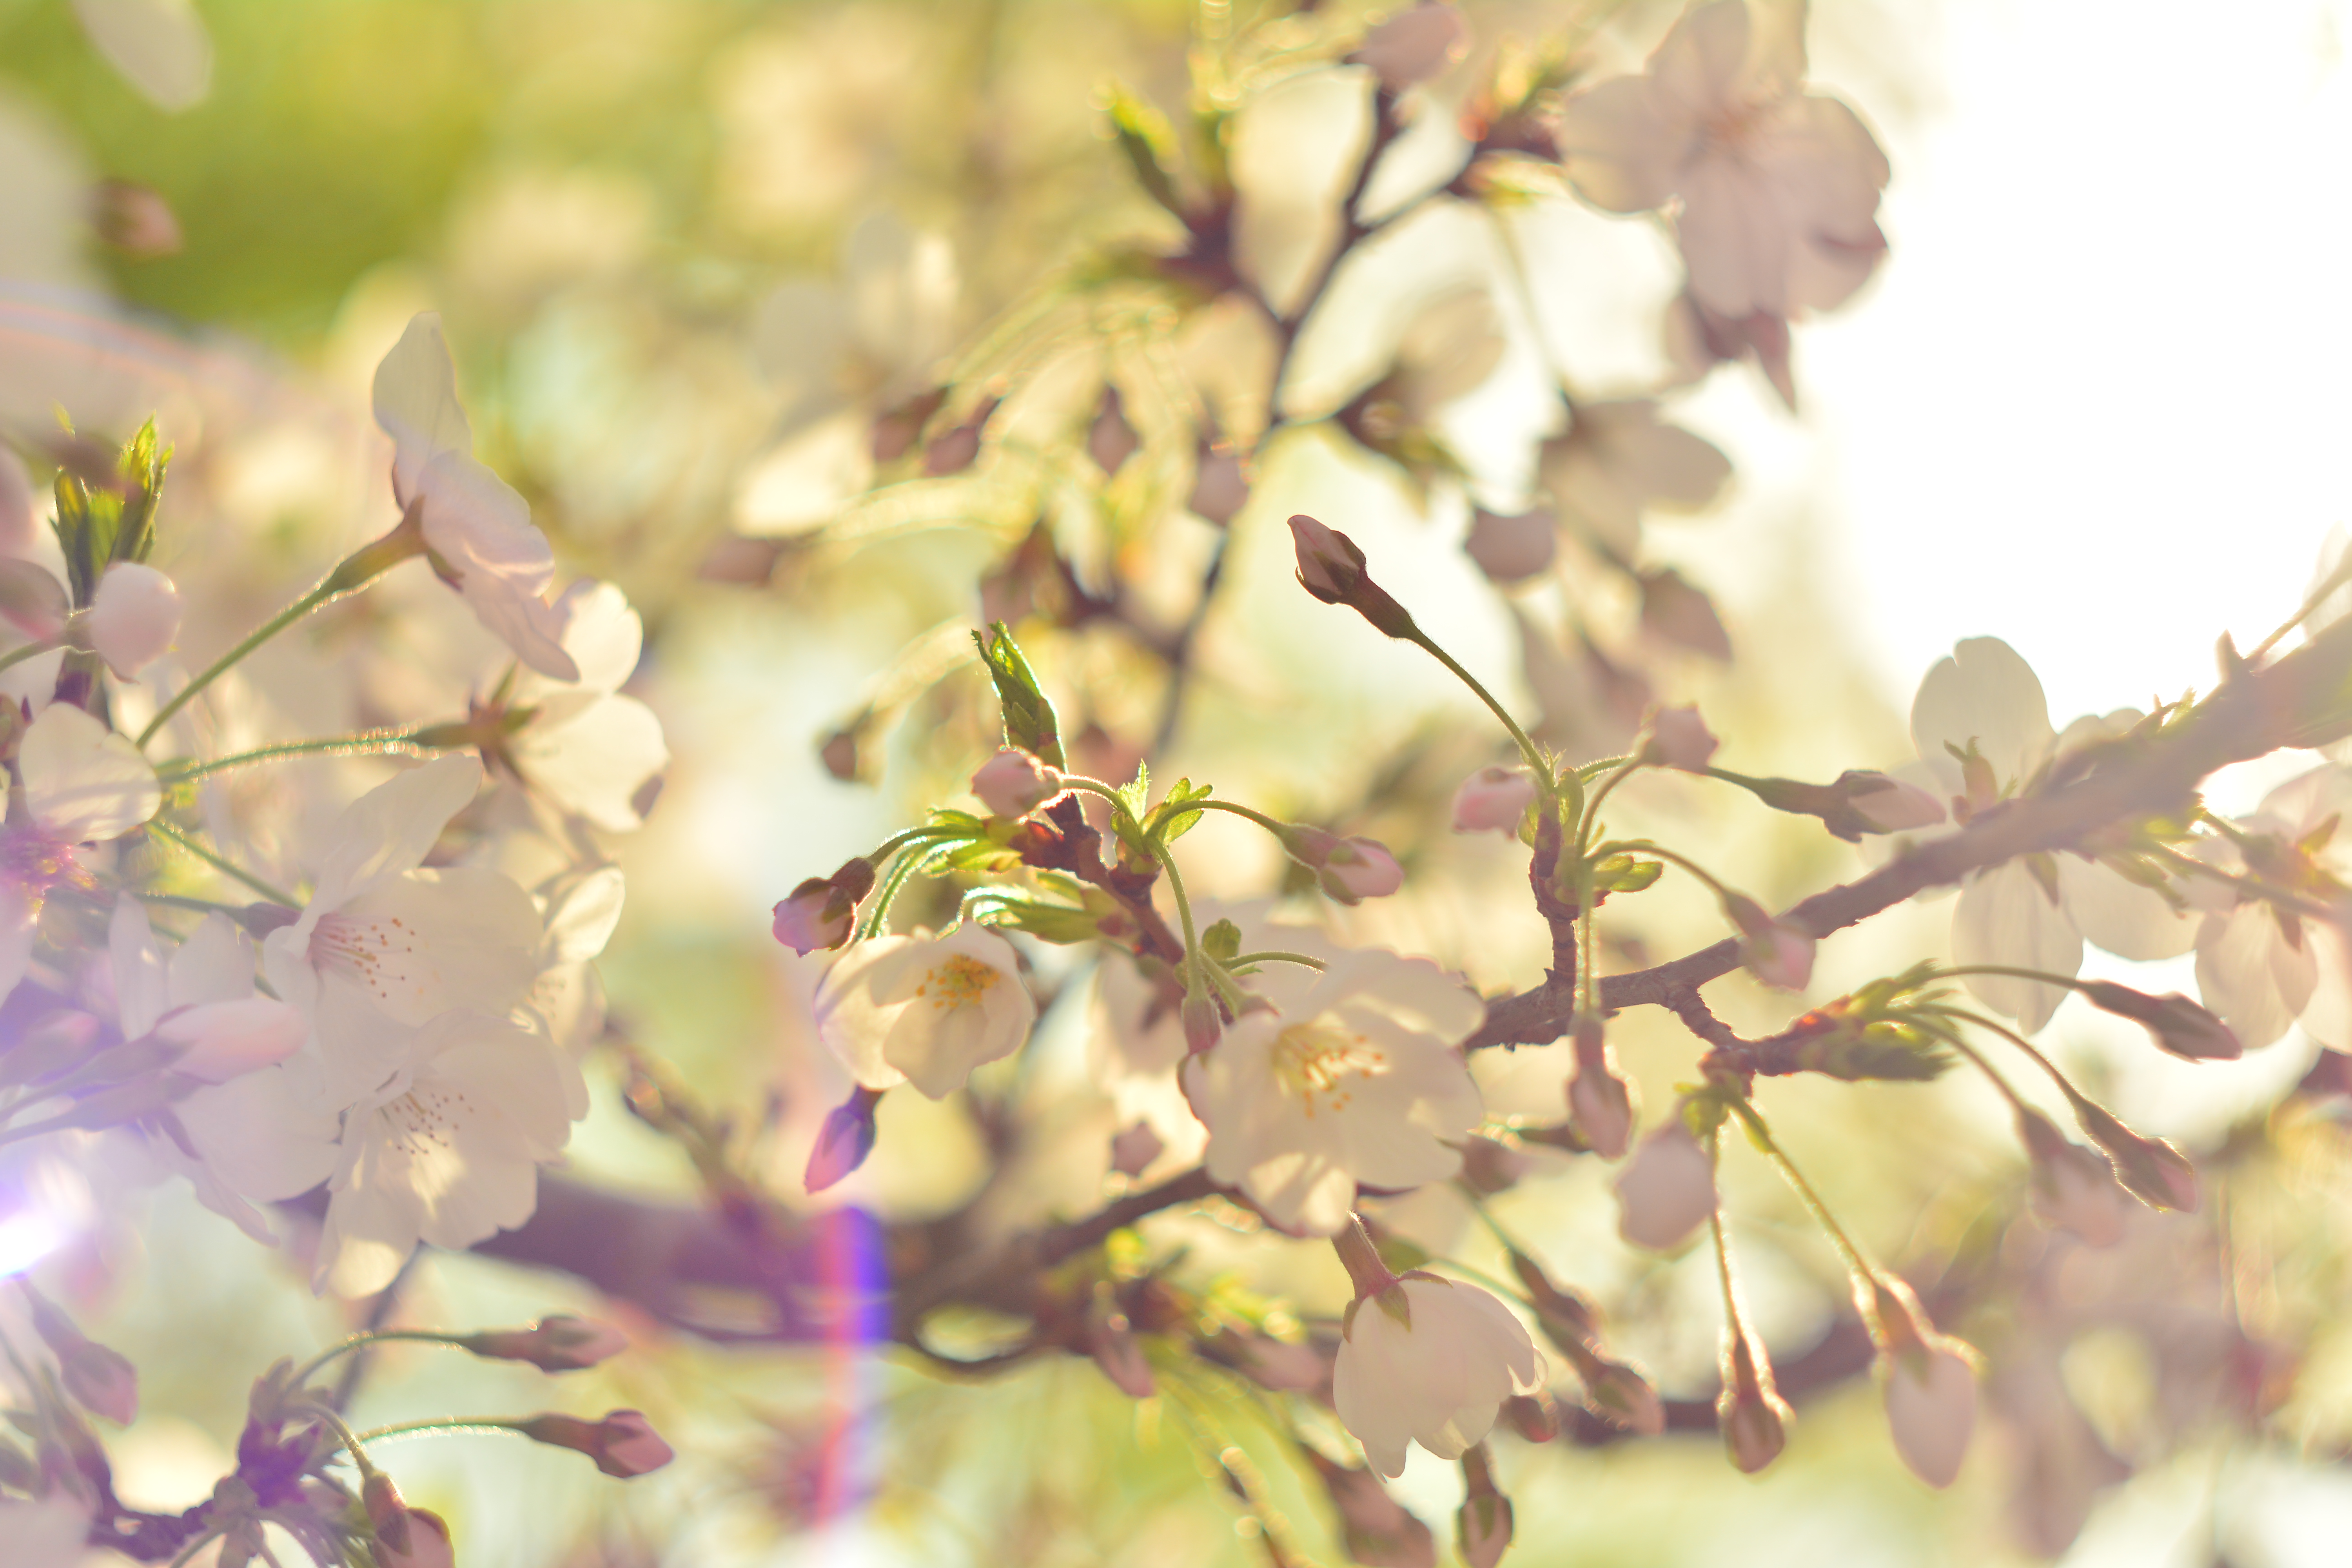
(623, 1444)
(2073, 1188)
(1666, 1190)
(1678, 738)
(924, 1010)
(477, 528)
(1930, 1381)
(384, 947)
(1429, 1361)
(1350, 869)
(1776, 190)
(560, 1343)
(1352, 1075)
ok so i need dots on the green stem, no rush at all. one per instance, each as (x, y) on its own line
(393, 742)
(1272, 955)
(30, 650)
(1270, 824)
(1951, 1037)
(350, 1440)
(188, 1552)
(1585, 829)
(453, 1424)
(872, 925)
(1534, 758)
(1864, 1276)
(1644, 846)
(373, 1337)
(357, 570)
(1962, 1014)
(159, 825)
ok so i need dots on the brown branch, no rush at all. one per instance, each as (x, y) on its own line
(2299, 700)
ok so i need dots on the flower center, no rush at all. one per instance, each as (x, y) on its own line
(958, 982)
(1318, 1059)
(423, 1123)
(381, 956)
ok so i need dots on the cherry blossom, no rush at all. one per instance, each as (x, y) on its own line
(445, 1150)
(1985, 704)
(384, 947)
(1412, 45)
(1429, 1361)
(201, 999)
(924, 1010)
(478, 529)
(1777, 188)
(585, 748)
(1014, 784)
(2262, 964)
(1351, 1076)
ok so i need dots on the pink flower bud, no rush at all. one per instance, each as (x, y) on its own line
(1014, 784)
(820, 911)
(1111, 439)
(426, 1542)
(558, 1344)
(2178, 1025)
(1889, 805)
(1493, 799)
(1202, 1026)
(1749, 1411)
(1599, 1102)
(1114, 1349)
(1482, 1527)
(1331, 567)
(623, 1444)
(30, 599)
(844, 1141)
(1773, 950)
(1132, 1152)
(1413, 45)
(1667, 1189)
(1220, 485)
(133, 617)
(1350, 869)
(1512, 549)
(1678, 738)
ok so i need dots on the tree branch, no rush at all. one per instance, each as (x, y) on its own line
(2302, 699)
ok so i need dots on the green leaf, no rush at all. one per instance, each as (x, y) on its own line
(1029, 721)
(1143, 135)
(1136, 794)
(1056, 923)
(1170, 821)
(1221, 942)
(1624, 874)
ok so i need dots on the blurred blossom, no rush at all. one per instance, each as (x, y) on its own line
(1779, 189)
(159, 46)
(924, 1010)
(1432, 1366)
(1620, 460)
(1412, 45)
(1510, 549)
(584, 747)
(2261, 965)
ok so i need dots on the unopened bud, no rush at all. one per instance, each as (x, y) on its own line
(1534, 1416)
(131, 619)
(1599, 1102)
(1888, 804)
(1749, 1412)
(423, 1542)
(31, 600)
(2151, 1170)
(1012, 783)
(1931, 1386)
(1482, 1527)
(820, 912)
(1349, 869)
(1220, 485)
(1494, 799)
(1623, 1398)
(1111, 439)
(558, 1344)
(1132, 1152)
(1677, 738)
(1773, 950)
(98, 1379)
(623, 1443)
(1203, 1023)
(1331, 568)
(844, 1141)
(387, 1514)
(2075, 1188)
(2178, 1025)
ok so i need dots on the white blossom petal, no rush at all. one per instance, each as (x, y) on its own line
(2004, 917)
(159, 46)
(1984, 693)
(83, 783)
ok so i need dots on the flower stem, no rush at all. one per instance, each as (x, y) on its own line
(1626, 768)
(361, 567)
(1195, 962)
(361, 1341)
(158, 825)
(30, 650)
(1534, 758)
(1865, 1278)
(1273, 956)
(351, 1441)
(450, 1424)
(1952, 1039)
(1644, 846)
(388, 742)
